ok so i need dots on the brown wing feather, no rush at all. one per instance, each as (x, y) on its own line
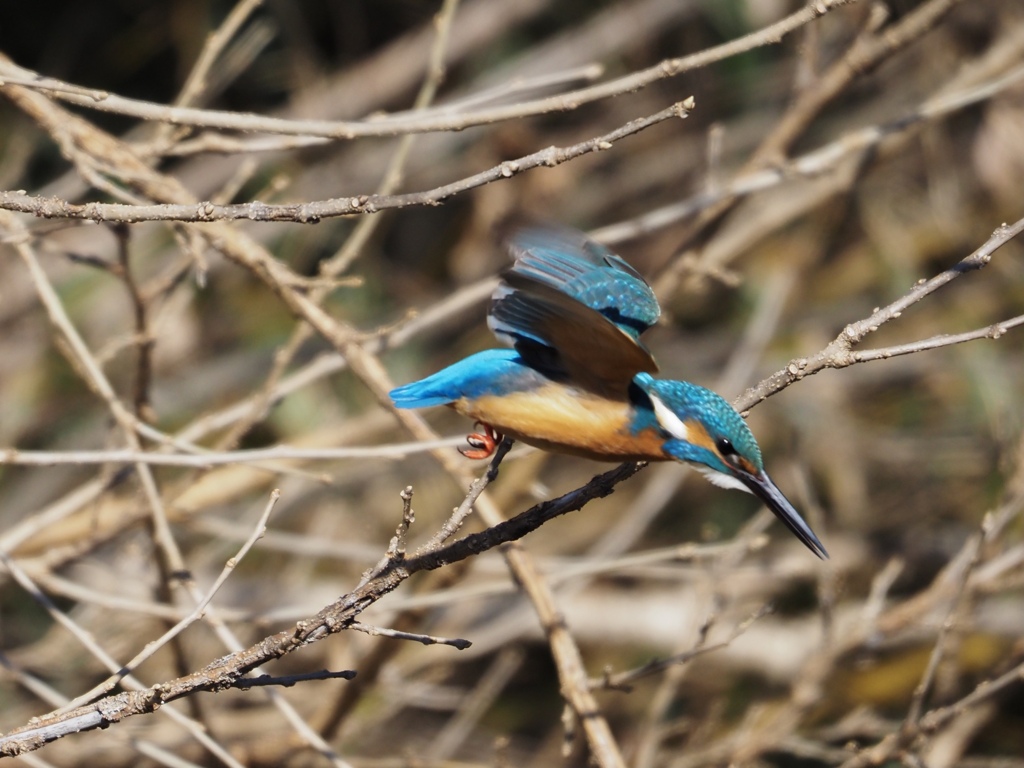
(594, 352)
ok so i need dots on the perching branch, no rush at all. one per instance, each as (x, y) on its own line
(227, 671)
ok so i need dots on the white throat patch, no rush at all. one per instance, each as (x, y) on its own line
(667, 419)
(721, 479)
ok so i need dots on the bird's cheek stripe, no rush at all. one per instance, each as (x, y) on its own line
(668, 420)
(697, 435)
(746, 466)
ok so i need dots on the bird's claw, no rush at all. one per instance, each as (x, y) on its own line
(481, 444)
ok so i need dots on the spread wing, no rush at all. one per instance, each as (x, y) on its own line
(574, 310)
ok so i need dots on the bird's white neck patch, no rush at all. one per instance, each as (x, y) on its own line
(721, 479)
(667, 418)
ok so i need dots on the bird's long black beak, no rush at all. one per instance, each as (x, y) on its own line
(768, 492)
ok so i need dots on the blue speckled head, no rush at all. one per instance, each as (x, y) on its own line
(703, 429)
(682, 402)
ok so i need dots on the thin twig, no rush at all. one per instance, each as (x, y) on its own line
(197, 613)
(203, 459)
(622, 680)
(812, 164)
(332, 619)
(288, 681)
(840, 354)
(316, 211)
(195, 729)
(400, 123)
(973, 556)
(396, 634)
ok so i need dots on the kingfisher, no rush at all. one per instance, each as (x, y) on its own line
(577, 379)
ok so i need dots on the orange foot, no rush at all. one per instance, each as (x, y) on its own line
(481, 444)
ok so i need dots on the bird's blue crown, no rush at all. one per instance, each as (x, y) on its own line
(692, 403)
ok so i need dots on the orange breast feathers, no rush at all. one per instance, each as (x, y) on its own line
(565, 420)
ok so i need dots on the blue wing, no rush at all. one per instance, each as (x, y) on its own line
(586, 271)
(574, 310)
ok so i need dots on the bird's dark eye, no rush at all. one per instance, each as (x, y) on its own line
(725, 447)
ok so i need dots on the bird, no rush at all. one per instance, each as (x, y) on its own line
(576, 378)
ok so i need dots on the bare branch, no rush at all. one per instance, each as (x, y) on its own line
(313, 212)
(415, 122)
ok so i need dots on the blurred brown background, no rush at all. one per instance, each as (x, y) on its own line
(895, 463)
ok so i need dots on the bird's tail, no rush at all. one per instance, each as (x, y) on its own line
(489, 372)
(422, 394)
